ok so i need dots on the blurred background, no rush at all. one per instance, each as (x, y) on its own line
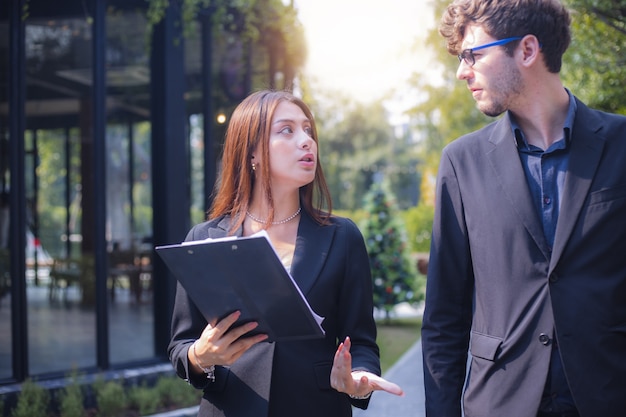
(112, 116)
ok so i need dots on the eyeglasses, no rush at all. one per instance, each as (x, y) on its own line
(467, 55)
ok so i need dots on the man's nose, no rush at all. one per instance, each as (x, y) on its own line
(463, 72)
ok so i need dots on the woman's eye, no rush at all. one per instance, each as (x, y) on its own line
(286, 129)
(309, 131)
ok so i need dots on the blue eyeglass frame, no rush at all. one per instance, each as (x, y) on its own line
(467, 55)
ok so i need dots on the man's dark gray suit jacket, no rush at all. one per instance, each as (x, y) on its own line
(331, 267)
(495, 287)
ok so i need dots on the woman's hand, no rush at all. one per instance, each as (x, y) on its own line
(220, 344)
(356, 383)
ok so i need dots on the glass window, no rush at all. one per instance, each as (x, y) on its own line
(58, 144)
(194, 80)
(129, 187)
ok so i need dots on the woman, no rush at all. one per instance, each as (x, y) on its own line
(271, 175)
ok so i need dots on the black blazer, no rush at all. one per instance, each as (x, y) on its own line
(286, 379)
(495, 287)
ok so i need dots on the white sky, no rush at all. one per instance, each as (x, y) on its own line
(364, 48)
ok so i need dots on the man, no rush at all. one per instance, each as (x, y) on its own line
(527, 268)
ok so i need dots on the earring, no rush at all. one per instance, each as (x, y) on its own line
(253, 166)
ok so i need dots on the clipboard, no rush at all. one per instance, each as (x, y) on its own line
(243, 273)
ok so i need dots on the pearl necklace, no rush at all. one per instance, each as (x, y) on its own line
(287, 220)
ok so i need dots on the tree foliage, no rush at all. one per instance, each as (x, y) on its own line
(357, 146)
(270, 25)
(419, 224)
(393, 273)
(595, 64)
(447, 111)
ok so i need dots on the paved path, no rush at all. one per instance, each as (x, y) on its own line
(406, 372)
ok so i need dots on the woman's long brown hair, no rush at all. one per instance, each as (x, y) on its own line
(249, 128)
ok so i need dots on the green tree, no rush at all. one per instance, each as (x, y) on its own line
(354, 140)
(445, 112)
(393, 273)
(357, 144)
(270, 28)
(595, 64)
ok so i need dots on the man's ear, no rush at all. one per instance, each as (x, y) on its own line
(529, 49)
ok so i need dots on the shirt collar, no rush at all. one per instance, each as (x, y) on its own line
(518, 135)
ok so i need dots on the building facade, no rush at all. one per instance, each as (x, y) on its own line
(111, 123)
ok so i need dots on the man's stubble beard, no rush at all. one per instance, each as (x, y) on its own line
(502, 90)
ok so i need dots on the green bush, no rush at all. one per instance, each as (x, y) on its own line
(145, 399)
(110, 397)
(112, 400)
(72, 402)
(71, 399)
(175, 391)
(32, 401)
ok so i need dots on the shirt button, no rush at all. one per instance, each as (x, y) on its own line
(544, 339)
(547, 200)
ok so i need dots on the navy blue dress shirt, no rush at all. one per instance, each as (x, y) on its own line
(545, 173)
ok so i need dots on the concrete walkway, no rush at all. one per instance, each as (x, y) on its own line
(407, 373)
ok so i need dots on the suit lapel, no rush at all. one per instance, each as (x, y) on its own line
(312, 247)
(221, 230)
(585, 154)
(508, 171)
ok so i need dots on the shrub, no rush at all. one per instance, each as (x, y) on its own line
(145, 399)
(71, 399)
(33, 400)
(110, 397)
(175, 391)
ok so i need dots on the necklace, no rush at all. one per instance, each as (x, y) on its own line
(287, 220)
